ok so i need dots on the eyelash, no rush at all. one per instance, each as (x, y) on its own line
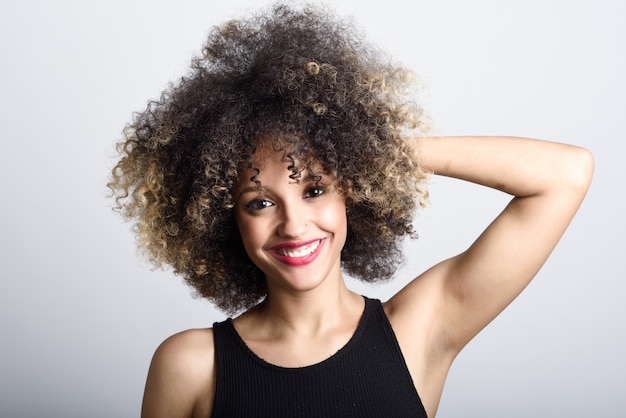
(258, 204)
(315, 191)
(261, 203)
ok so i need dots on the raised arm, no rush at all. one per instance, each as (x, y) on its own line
(464, 293)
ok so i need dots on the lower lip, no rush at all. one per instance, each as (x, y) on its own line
(299, 261)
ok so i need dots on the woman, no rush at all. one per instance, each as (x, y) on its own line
(293, 153)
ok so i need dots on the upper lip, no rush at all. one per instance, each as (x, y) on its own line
(293, 244)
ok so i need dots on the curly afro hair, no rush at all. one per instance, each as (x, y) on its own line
(297, 74)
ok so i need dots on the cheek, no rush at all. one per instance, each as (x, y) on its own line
(247, 232)
(335, 218)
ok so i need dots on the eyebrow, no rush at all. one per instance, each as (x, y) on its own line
(251, 189)
(318, 179)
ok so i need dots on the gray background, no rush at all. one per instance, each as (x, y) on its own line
(81, 314)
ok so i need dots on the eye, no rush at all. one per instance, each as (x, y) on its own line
(258, 204)
(315, 191)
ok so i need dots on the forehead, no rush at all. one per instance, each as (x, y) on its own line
(278, 157)
(270, 152)
(280, 150)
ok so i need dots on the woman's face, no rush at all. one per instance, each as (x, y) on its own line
(293, 231)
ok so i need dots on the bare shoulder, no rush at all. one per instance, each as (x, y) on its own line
(419, 303)
(416, 314)
(181, 379)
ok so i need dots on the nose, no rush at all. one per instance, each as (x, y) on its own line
(292, 222)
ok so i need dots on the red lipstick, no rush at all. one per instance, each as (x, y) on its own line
(297, 253)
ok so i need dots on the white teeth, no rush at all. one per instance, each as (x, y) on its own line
(300, 252)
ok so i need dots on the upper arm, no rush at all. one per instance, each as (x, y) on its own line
(461, 295)
(479, 283)
(181, 379)
(476, 285)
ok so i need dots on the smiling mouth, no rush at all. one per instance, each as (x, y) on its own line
(300, 251)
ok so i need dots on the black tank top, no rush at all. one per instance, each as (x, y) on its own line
(368, 377)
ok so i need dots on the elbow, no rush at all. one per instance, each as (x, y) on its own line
(582, 169)
(573, 171)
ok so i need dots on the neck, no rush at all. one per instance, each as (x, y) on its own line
(311, 312)
(300, 330)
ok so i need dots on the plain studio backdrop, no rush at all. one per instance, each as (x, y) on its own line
(81, 313)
